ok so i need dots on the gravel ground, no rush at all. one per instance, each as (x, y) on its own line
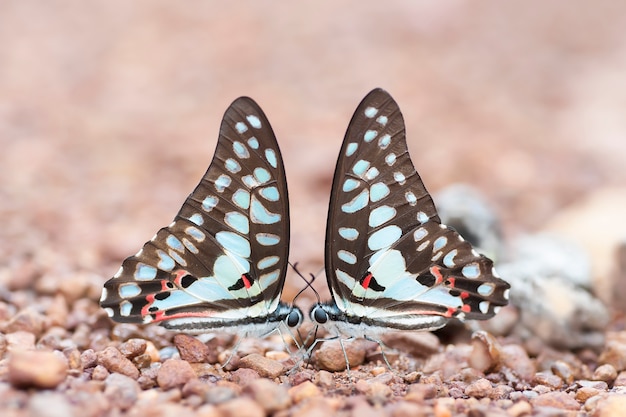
(107, 123)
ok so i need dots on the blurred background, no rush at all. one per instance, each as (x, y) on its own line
(110, 111)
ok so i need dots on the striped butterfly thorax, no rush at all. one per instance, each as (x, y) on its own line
(390, 263)
(221, 264)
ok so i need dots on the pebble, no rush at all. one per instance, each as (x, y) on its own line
(115, 361)
(606, 373)
(50, 404)
(620, 381)
(584, 393)
(241, 407)
(263, 366)
(27, 320)
(420, 392)
(556, 399)
(121, 390)
(563, 370)
(519, 409)
(409, 409)
(272, 397)
(191, 349)
(305, 390)
(614, 354)
(376, 392)
(516, 359)
(548, 379)
(324, 379)
(174, 373)
(242, 376)
(220, 394)
(133, 348)
(479, 389)
(38, 369)
(613, 406)
(330, 356)
(20, 341)
(485, 355)
(417, 344)
(99, 373)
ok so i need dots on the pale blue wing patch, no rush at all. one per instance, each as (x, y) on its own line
(260, 215)
(351, 148)
(166, 263)
(240, 150)
(384, 237)
(270, 193)
(357, 203)
(381, 215)
(222, 182)
(360, 167)
(254, 121)
(237, 221)
(348, 233)
(209, 203)
(378, 191)
(241, 198)
(270, 156)
(145, 272)
(267, 239)
(234, 243)
(350, 184)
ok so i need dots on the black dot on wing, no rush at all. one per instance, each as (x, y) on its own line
(162, 295)
(187, 281)
(455, 293)
(151, 309)
(426, 279)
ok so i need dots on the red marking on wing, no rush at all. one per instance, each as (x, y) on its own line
(246, 281)
(179, 274)
(436, 271)
(451, 282)
(450, 312)
(150, 300)
(464, 295)
(466, 308)
(366, 281)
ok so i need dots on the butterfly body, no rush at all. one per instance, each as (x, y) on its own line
(390, 263)
(221, 264)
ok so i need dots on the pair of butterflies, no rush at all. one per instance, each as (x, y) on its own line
(390, 263)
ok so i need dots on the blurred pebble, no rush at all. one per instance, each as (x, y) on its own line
(409, 409)
(606, 373)
(548, 379)
(420, 392)
(620, 381)
(563, 370)
(464, 208)
(174, 373)
(121, 390)
(219, 394)
(265, 367)
(418, 344)
(519, 409)
(556, 399)
(132, 348)
(190, 348)
(330, 356)
(195, 387)
(241, 407)
(599, 385)
(272, 397)
(614, 354)
(550, 282)
(114, 361)
(50, 404)
(485, 355)
(479, 389)
(37, 369)
(99, 373)
(242, 376)
(376, 392)
(324, 379)
(612, 406)
(516, 359)
(305, 390)
(584, 393)
(19, 341)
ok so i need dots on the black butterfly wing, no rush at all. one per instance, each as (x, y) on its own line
(389, 260)
(222, 261)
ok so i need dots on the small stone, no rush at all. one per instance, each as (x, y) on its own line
(305, 390)
(584, 393)
(501, 392)
(277, 355)
(271, 396)
(378, 370)
(19, 341)
(548, 379)
(556, 399)
(516, 359)
(599, 385)
(195, 387)
(29, 321)
(114, 361)
(519, 409)
(612, 406)
(324, 379)
(191, 349)
(563, 370)
(409, 409)
(265, 367)
(174, 373)
(485, 355)
(121, 390)
(606, 373)
(420, 392)
(480, 388)
(243, 376)
(100, 373)
(418, 344)
(620, 381)
(48, 404)
(207, 410)
(133, 348)
(377, 393)
(330, 356)
(142, 361)
(37, 369)
(614, 354)
(241, 407)
(220, 394)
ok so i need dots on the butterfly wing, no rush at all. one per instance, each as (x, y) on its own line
(222, 261)
(389, 260)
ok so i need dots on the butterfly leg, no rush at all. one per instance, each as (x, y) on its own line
(232, 354)
(382, 350)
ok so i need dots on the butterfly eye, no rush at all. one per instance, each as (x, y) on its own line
(319, 315)
(294, 318)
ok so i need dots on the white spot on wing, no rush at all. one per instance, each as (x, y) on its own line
(254, 121)
(370, 112)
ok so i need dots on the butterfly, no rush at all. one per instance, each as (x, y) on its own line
(390, 263)
(221, 264)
